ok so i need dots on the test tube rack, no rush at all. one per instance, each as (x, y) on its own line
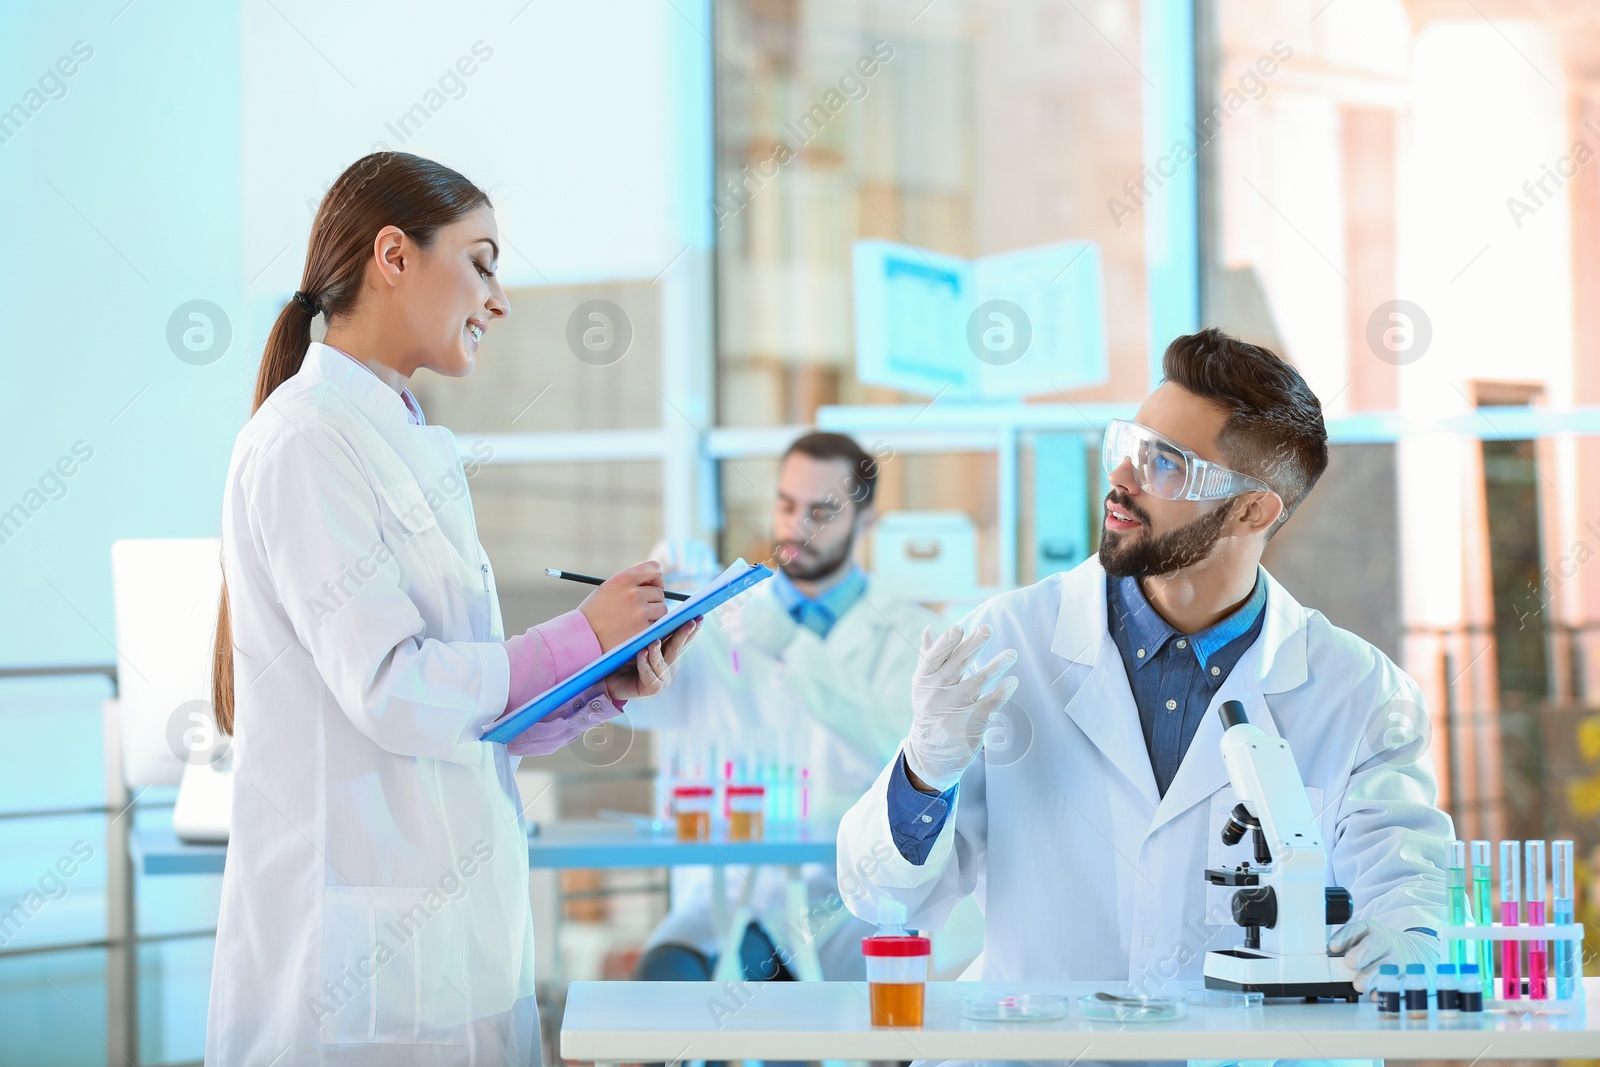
(1552, 932)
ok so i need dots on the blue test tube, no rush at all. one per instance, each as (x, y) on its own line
(1566, 952)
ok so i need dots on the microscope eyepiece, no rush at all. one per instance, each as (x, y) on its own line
(1232, 713)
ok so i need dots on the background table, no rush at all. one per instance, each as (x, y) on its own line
(579, 843)
(610, 1022)
(602, 844)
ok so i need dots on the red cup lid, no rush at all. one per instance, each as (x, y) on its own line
(691, 790)
(746, 790)
(896, 946)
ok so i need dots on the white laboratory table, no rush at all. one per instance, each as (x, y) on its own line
(611, 1022)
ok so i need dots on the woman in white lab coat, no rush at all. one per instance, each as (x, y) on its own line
(375, 902)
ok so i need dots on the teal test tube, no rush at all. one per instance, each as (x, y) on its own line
(1566, 952)
(1456, 879)
(1483, 906)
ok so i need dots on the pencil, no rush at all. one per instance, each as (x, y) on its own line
(589, 579)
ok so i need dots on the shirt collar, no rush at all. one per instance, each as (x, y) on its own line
(370, 393)
(1150, 631)
(826, 609)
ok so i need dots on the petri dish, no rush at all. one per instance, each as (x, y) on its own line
(1132, 1009)
(1013, 1007)
(1225, 998)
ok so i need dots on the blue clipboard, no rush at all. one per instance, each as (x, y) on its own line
(695, 607)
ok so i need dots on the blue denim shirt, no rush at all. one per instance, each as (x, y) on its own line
(1173, 677)
(820, 614)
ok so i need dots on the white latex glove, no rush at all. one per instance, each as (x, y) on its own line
(755, 620)
(949, 708)
(1368, 944)
(685, 562)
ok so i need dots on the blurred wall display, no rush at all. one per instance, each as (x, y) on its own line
(998, 327)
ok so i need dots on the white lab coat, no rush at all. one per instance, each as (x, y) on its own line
(375, 901)
(1083, 872)
(837, 707)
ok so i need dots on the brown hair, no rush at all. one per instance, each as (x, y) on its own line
(1274, 429)
(863, 467)
(382, 189)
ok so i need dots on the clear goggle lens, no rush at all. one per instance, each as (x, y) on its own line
(1161, 468)
(1167, 470)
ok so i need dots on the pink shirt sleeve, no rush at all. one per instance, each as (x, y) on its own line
(601, 707)
(545, 654)
(548, 653)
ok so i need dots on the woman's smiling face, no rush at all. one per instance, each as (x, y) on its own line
(454, 294)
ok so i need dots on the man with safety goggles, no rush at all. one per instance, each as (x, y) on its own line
(1102, 686)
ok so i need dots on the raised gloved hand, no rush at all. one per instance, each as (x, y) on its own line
(949, 711)
(685, 562)
(1368, 944)
(754, 620)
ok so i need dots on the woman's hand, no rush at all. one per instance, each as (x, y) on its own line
(626, 603)
(651, 669)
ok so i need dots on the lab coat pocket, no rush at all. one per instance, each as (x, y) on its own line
(1219, 898)
(393, 969)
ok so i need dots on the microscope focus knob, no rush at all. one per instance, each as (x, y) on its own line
(1340, 906)
(1255, 906)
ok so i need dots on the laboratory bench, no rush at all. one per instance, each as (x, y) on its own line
(613, 1022)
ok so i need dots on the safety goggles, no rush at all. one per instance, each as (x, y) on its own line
(1168, 470)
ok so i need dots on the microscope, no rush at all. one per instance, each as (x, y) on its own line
(1282, 902)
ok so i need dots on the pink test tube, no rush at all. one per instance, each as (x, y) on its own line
(1510, 894)
(1538, 960)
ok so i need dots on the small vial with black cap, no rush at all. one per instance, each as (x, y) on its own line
(1447, 994)
(1416, 991)
(1388, 990)
(1471, 990)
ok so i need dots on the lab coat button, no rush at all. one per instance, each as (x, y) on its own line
(1148, 941)
(594, 705)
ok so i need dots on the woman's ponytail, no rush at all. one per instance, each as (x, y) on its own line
(286, 350)
(382, 189)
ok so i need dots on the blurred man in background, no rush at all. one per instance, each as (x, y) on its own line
(804, 684)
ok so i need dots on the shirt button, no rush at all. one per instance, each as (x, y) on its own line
(1183, 644)
(1172, 705)
(594, 705)
(927, 818)
(1216, 671)
(1148, 941)
(1140, 653)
